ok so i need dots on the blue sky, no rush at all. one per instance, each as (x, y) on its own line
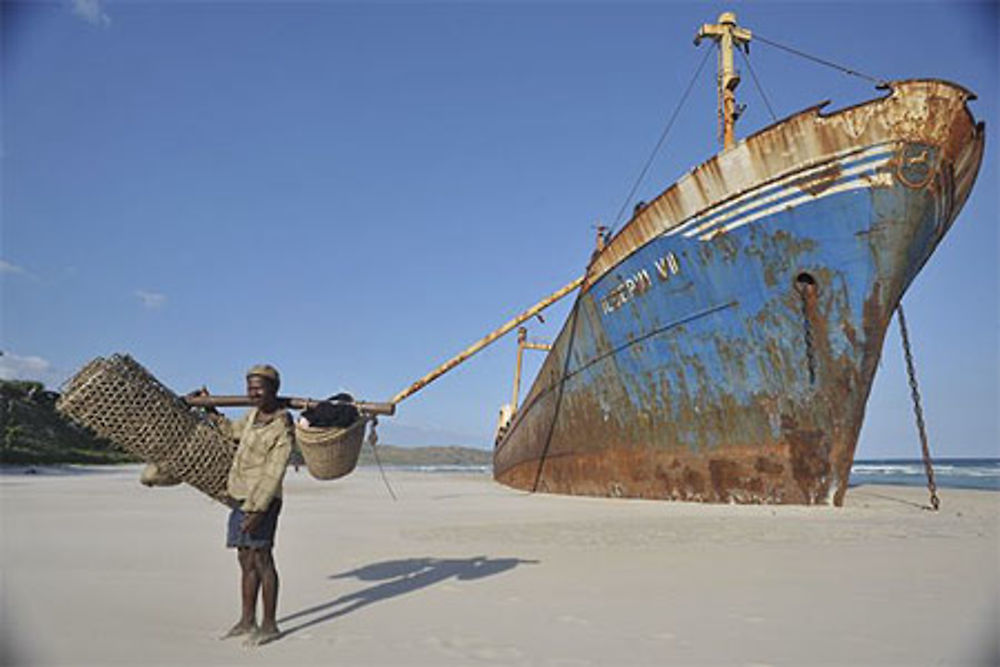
(355, 192)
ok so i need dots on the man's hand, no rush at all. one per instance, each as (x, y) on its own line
(202, 391)
(250, 521)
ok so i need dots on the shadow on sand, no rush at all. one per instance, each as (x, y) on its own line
(397, 577)
(868, 493)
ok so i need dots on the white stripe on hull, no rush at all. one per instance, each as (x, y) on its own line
(848, 167)
(868, 181)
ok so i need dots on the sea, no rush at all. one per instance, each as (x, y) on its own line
(948, 473)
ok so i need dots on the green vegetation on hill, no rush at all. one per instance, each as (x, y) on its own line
(33, 433)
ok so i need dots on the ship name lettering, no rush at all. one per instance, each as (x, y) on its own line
(623, 293)
(639, 282)
(667, 266)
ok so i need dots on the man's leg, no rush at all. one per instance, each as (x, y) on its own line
(249, 585)
(268, 576)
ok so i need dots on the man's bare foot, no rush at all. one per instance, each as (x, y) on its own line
(263, 635)
(240, 629)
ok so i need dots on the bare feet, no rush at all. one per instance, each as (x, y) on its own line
(240, 629)
(262, 636)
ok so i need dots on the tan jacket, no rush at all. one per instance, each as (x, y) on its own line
(260, 460)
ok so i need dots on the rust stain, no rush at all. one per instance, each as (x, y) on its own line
(730, 475)
(809, 452)
(815, 184)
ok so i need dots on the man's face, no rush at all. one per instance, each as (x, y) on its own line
(260, 390)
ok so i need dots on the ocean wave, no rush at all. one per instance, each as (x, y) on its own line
(948, 473)
(444, 468)
(956, 471)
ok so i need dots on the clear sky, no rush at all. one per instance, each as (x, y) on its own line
(356, 191)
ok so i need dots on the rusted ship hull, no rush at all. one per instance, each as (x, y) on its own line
(723, 344)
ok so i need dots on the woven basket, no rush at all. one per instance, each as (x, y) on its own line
(331, 452)
(121, 401)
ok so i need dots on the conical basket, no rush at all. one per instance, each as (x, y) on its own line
(121, 401)
(330, 453)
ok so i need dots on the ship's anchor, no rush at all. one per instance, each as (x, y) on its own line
(917, 409)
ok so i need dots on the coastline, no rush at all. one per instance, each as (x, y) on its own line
(950, 473)
(461, 570)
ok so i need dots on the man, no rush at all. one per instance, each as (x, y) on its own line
(266, 436)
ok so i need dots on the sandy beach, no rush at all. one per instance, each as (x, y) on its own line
(98, 570)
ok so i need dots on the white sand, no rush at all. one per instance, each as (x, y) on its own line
(98, 570)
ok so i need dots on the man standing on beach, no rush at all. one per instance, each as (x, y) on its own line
(266, 436)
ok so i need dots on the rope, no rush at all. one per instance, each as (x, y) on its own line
(757, 83)
(816, 59)
(372, 440)
(659, 143)
(917, 410)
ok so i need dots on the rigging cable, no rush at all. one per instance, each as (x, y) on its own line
(666, 130)
(559, 397)
(760, 88)
(821, 61)
(659, 143)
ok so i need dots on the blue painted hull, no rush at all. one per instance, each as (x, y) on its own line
(728, 354)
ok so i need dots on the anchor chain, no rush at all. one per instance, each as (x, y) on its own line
(806, 290)
(810, 354)
(917, 409)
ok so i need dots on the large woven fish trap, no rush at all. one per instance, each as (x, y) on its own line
(121, 401)
(331, 452)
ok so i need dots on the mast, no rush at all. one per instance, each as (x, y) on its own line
(726, 34)
(523, 344)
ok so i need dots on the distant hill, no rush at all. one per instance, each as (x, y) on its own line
(392, 455)
(33, 433)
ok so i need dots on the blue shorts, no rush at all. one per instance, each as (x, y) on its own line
(261, 537)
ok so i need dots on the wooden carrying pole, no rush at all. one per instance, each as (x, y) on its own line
(293, 402)
(483, 342)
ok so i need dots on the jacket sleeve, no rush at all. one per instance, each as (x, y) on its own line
(267, 485)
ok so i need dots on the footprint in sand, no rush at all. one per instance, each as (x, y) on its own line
(572, 620)
(474, 648)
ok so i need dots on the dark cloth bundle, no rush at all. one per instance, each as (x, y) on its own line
(337, 411)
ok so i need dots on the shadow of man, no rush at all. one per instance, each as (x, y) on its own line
(399, 577)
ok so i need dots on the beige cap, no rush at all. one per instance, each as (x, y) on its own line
(266, 371)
